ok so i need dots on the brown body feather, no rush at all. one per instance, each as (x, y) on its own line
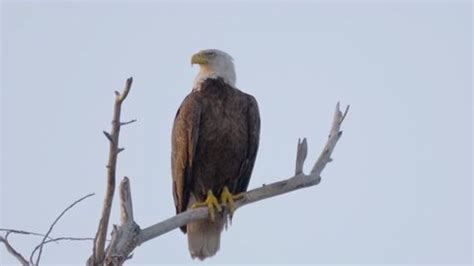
(214, 144)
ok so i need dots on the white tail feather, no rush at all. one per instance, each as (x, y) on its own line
(204, 238)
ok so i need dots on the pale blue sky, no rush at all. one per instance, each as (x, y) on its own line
(399, 189)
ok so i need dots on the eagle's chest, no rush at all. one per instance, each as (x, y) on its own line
(222, 144)
(221, 150)
(224, 121)
(223, 139)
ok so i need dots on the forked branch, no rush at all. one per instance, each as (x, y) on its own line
(52, 226)
(46, 238)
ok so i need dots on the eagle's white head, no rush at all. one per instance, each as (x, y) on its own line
(213, 64)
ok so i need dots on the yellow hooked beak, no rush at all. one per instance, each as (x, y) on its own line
(200, 59)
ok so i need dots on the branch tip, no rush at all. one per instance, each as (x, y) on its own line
(301, 153)
(108, 136)
(345, 113)
(126, 206)
(128, 122)
(126, 90)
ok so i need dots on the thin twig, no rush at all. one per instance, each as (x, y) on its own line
(345, 113)
(54, 223)
(50, 239)
(128, 122)
(128, 86)
(58, 240)
(108, 136)
(21, 232)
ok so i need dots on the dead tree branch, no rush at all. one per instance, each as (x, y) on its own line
(98, 251)
(21, 232)
(128, 235)
(125, 237)
(46, 238)
(57, 240)
(20, 258)
(49, 239)
(52, 226)
(12, 251)
(128, 122)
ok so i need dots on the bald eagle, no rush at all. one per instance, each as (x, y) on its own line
(215, 140)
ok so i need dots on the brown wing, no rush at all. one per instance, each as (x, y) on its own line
(183, 146)
(253, 118)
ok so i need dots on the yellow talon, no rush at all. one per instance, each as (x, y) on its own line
(229, 199)
(211, 203)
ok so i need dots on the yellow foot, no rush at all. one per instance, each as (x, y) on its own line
(229, 199)
(211, 203)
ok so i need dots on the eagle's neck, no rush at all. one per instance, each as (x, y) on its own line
(226, 72)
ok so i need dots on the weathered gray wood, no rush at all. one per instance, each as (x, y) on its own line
(12, 251)
(98, 250)
(124, 237)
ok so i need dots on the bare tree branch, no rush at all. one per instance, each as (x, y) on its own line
(21, 232)
(108, 136)
(334, 135)
(58, 240)
(345, 112)
(126, 206)
(130, 236)
(125, 237)
(50, 239)
(52, 226)
(12, 251)
(128, 122)
(99, 243)
(301, 153)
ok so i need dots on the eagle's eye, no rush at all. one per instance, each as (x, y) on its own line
(210, 53)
